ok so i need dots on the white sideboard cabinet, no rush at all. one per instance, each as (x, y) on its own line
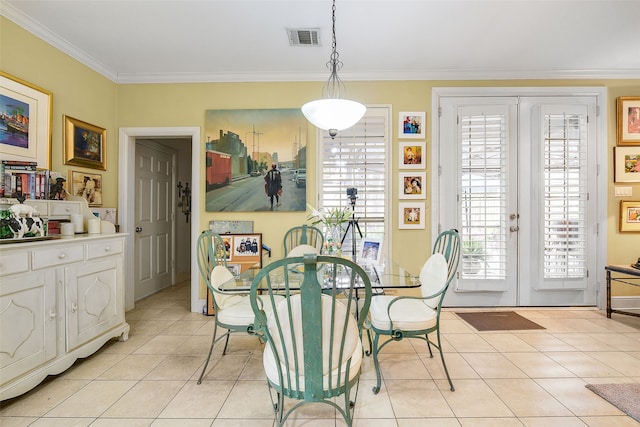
(60, 300)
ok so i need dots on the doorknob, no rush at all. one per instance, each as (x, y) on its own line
(514, 216)
(138, 229)
(514, 228)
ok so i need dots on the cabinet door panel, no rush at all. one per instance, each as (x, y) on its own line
(92, 299)
(27, 323)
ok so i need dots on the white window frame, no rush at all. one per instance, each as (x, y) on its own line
(378, 109)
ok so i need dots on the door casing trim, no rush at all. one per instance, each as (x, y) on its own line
(126, 199)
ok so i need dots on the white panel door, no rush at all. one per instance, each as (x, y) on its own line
(154, 214)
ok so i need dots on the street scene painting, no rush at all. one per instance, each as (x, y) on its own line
(256, 160)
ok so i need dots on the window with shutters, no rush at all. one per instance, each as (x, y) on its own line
(359, 157)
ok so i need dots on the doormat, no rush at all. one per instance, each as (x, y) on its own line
(498, 321)
(625, 397)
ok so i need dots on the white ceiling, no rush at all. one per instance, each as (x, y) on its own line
(246, 40)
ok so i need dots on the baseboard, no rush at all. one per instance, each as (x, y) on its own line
(626, 303)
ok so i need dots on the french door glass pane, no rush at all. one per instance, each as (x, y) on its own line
(483, 196)
(565, 196)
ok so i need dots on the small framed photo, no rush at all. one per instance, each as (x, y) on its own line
(86, 185)
(628, 120)
(370, 251)
(412, 124)
(412, 155)
(244, 249)
(630, 215)
(84, 144)
(626, 164)
(412, 185)
(411, 215)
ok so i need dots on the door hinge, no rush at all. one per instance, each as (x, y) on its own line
(439, 170)
(597, 111)
(439, 111)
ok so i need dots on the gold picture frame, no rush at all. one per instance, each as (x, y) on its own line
(626, 164)
(628, 113)
(30, 107)
(630, 215)
(84, 144)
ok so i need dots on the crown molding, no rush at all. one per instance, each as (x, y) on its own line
(10, 12)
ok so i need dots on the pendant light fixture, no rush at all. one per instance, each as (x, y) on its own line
(333, 113)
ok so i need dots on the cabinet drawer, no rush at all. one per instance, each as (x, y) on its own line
(63, 209)
(44, 258)
(13, 262)
(106, 248)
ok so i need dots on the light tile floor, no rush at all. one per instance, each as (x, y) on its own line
(531, 378)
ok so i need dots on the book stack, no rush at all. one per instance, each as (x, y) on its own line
(24, 178)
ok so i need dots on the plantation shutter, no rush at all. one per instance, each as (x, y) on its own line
(566, 166)
(358, 158)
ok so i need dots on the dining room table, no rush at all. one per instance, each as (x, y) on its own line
(383, 276)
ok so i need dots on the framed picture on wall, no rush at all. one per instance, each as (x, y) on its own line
(84, 144)
(412, 124)
(411, 154)
(630, 215)
(25, 134)
(86, 185)
(626, 164)
(412, 185)
(628, 120)
(411, 215)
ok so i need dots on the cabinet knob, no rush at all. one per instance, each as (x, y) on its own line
(63, 255)
(107, 249)
(52, 314)
(74, 307)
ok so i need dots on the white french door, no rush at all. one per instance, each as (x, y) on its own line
(517, 178)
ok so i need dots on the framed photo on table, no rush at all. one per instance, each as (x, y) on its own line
(628, 120)
(412, 185)
(626, 164)
(26, 132)
(630, 215)
(411, 155)
(412, 124)
(370, 251)
(84, 144)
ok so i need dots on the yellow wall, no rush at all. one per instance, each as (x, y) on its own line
(78, 92)
(84, 94)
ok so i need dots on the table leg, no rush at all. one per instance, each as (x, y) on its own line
(608, 294)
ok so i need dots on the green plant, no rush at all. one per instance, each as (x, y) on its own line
(473, 249)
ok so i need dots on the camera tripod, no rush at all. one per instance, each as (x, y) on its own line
(353, 226)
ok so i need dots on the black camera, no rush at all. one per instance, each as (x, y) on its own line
(352, 192)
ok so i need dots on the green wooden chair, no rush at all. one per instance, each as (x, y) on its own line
(304, 239)
(313, 351)
(416, 317)
(233, 311)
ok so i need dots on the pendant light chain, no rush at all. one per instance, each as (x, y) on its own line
(334, 87)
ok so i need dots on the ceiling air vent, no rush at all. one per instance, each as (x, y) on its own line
(304, 36)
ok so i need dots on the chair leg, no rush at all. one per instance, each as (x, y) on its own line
(444, 365)
(226, 343)
(429, 346)
(376, 388)
(213, 341)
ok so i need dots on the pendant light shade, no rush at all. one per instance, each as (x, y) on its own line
(333, 113)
